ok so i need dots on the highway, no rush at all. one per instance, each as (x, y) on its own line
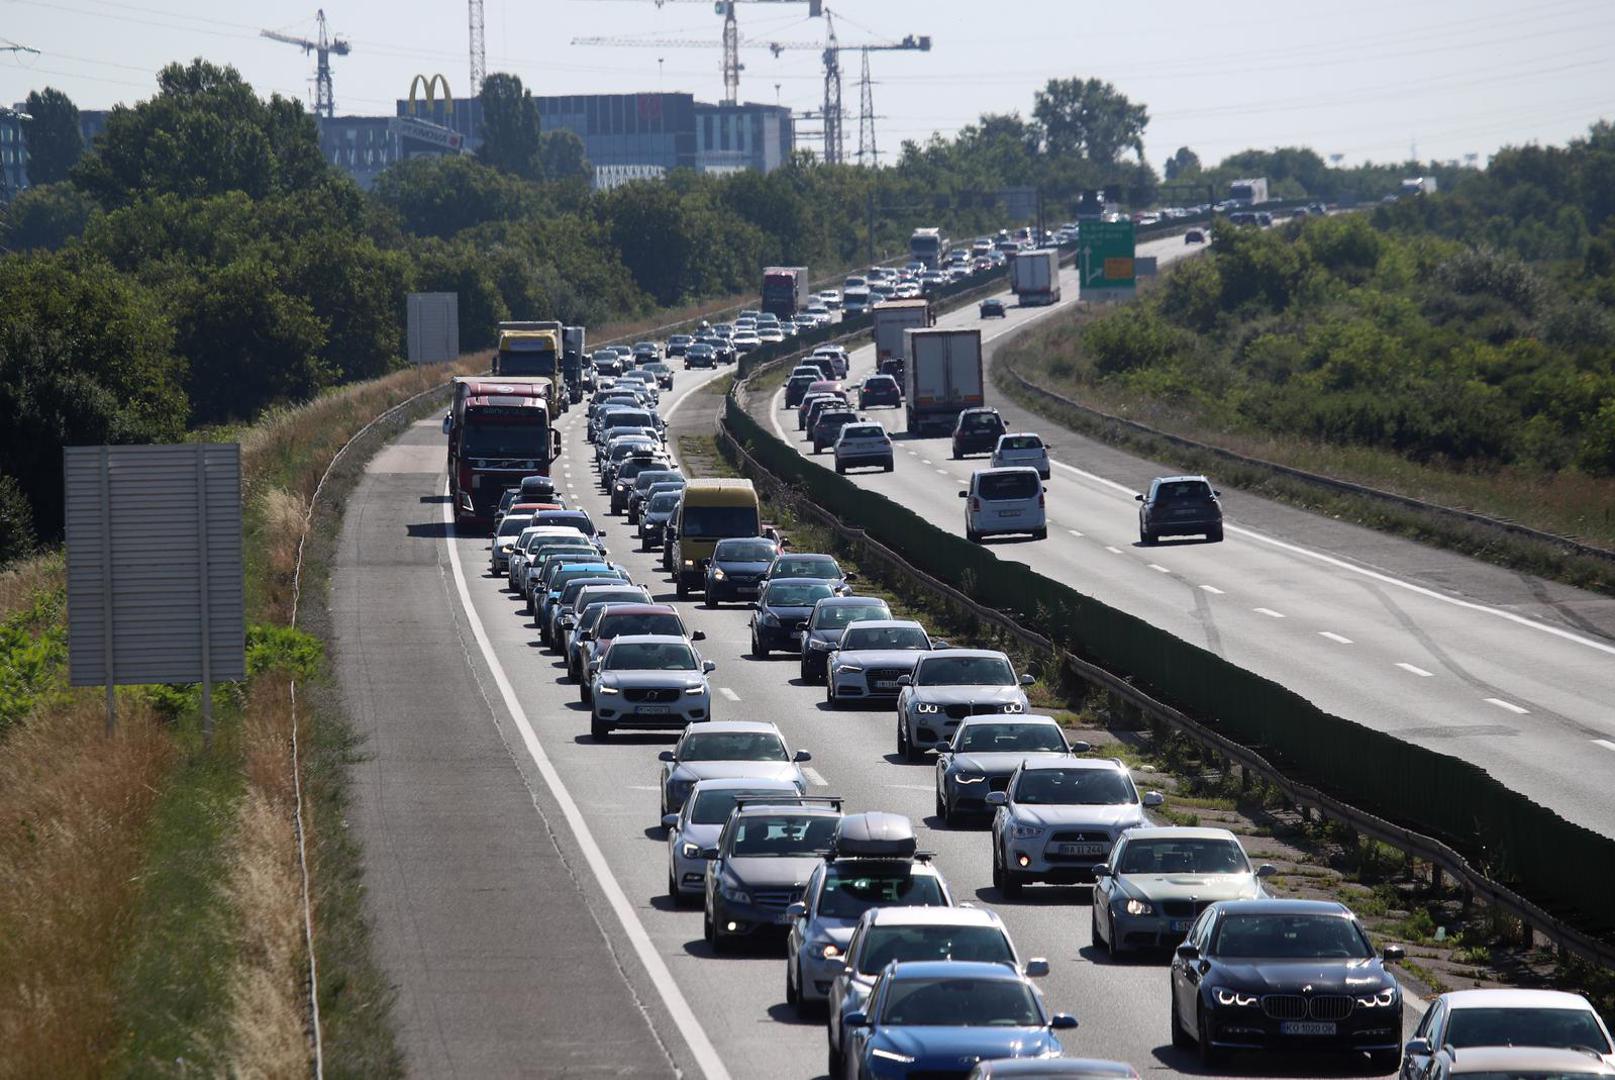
(1511, 672)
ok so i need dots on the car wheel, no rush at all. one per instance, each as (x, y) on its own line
(973, 536)
(802, 668)
(1146, 537)
(888, 467)
(955, 453)
(583, 692)
(706, 925)
(941, 808)
(707, 600)
(1180, 1037)
(838, 1064)
(829, 694)
(757, 648)
(673, 889)
(1011, 887)
(1215, 535)
(791, 996)
(1210, 1056)
(598, 728)
(841, 470)
(1040, 534)
(682, 590)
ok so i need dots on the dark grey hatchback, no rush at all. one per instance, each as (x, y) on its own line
(1179, 506)
(737, 568)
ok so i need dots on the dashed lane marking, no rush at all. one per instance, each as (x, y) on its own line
(1605, 743)
(1158, 568)
(728, 693)
(1113, 550)
(1212, 589)
(1419, 671)
(1332, 636)
(1073, 532)
(1269, 612)
(814, 778)
(1518, 710)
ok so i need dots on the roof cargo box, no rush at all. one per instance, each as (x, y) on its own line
(537, 485)
(874, 835)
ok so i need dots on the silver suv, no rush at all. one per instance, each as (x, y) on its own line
(948, 685)
(648, 682)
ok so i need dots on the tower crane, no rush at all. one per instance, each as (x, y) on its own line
(322, 48)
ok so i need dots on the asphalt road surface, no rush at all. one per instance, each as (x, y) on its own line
(1509, 671)
(515, 870)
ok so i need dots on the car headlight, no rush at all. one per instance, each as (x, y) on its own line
(1224, 996)
(718, 575)
(892, 1055)
(848, 669)
(822, 646)
(968, 778)
(507, 548)
(689, 563)
(621, 486)
(1139, 907)
(689, 850)
(603, 689)
(1014, 706)
(734, 894)
(829, 950)
(925, 707)
(1026, 832)
(695, 689)
(1378, 1000)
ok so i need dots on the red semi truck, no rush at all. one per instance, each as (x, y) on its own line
(499, 431)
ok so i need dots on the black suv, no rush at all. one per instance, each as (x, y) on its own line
(880, 390)
(829, 425)
(1179, 506)
(977, 431)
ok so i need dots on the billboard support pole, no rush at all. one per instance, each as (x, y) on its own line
(207, 627)
(106, 588)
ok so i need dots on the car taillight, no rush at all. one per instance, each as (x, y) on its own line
(975, 504)
(1040, 503)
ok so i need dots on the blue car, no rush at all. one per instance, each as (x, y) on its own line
(939, 1018)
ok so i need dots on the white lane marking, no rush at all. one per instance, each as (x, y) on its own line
(813, 777)
(1073, 532)
(705, 1054)
(909, 452)
(1509, 705)
(728, 693)
(1269, 612)
(925, 461)
(643, 787)
(925, 787)
(942, 472)
(1605, 743)
(1419, 671)
(1158, 568)
(1386, 579)
(1113, 550)
(1332, 636)
(1213, 590)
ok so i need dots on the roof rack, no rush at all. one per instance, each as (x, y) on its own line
(787, 799)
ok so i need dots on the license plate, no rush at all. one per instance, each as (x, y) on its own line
(1181, 926)
(1084, 849)
(1306, 1027)
(885, 684)
(652, 710)
(1011, 514)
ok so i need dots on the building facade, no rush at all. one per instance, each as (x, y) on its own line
(14, 143)
(364, 146)
(750, 136)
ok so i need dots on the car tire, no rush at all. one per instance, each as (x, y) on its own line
(706, 925)
(973, 536)
(1210, 1056)
(598, 728)
(1214, 535)
(707, 600)
(1180, 1038)
(954, 453)
(841, 470)
(1040, 534)
(673, 890)
(1011, 888)
(583, 692)
(682, 590)
(837, 1064)
(911, 752)
(888, 467)
(758, 650)
(1146, 537)
(802, 669)
(830, 701)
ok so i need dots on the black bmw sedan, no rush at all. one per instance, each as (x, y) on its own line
(1284, 974)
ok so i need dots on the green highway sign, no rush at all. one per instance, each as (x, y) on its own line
(1105, 259)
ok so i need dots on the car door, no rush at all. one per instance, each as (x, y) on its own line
(838, 986)
(799, 926)
(1186, 973)
(1432, 1026)
(1104, 890)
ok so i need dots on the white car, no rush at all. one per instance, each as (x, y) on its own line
(863, 445)
(746, 340)
(1002, 502)
(818, 312)
(770, 334)
(830, 298)
(1022, 448)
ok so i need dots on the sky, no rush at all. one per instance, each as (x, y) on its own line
(1368, 80)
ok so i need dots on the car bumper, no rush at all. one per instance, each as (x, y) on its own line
(1251, 1029)
(1043, 864)
(976, 446)
(614, 710)
(818, 974)
(731, 588)
(500, 563)
(854, 686)
(861, 461)
(1185, 528)
(1009, 526)
(1148, 931)
(745, 920)
(777, 637)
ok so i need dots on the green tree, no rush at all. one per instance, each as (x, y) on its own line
(52, 134)
(562, 157)
(440, 196)
(205, 132)
(1182, 163)
(47, 216)
(17, 538)
(510, 133)
(1090, 119)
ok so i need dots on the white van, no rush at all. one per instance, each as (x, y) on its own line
(1003, 502)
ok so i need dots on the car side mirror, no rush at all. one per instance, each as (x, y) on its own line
(698, 635)
(1266, 870)
(1138, 498)
(1080, 747)
(905, 680)
(1101, 870)
(996, 798)
(669, 820)
(1027, 680)
(855, 1019)
(801, 626)
(709, 853)
(594, 667)
(798, 910)
(1153, 798)
(1188, 952)
(1036, 968)
(1418, 1047)
(1062, 1021)
(1216, 493)
(964, 494)
(708, 667)
(849, 577)
(801, 756)
(666, 755)
(1394, 953)
(940, 644)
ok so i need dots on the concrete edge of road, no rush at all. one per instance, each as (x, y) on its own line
(1416, 844)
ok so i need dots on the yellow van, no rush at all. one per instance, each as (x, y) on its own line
(709, 511)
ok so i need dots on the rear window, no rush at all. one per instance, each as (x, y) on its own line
(879, 382)
(1011, 485)
(826, 616)
(1022, 442)
(618, 625)
(629, 418)
(981, 422)
(863, 431)
(1183, 490)
(794, 594)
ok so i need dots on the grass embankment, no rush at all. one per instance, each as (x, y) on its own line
(150, 893)
(1395, 364)
(1452, 944)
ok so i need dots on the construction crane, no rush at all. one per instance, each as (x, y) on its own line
(324, 102)
(479, 48)
(731, 43)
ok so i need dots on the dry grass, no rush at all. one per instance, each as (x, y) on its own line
(22, 583)
(75, 805)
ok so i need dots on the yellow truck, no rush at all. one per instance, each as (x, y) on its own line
(529, 349)
(709, 511)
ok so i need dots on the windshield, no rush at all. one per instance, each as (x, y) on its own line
(883, 944)
(1291, 937)
(719, 521)
(1074, 787)
(514, 524)
(571, 519)
(1008, 738)
(733, 746)
(745, 551)
(782, 836)
(1183, 857)
(964, 671)
(1183, 489)
(666, 624)
(664, 503)
(961, 1003)
(570, 590)
(849, 891)
(885, 637)
(526, 439)
(650, 656)
(794, 594)
(628, 418)
(1562, 1028)
(805, 566)
(834, 616)
(1010, 485)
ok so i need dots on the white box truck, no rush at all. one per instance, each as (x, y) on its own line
(891, 319)
(942, 377)
(1248, 192)
(1034, 276)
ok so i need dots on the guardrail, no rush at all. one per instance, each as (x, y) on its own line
(1510, 851)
